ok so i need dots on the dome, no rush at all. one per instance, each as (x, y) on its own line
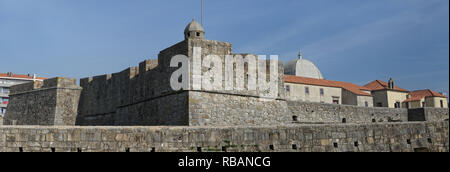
(303, 68)
(194, 26)
(194, 31)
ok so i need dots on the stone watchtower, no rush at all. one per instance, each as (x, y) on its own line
(201, 107)
(194, 31)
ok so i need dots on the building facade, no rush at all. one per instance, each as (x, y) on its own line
(326, 91)
(299, 89)
(387, 94)
(305, 82)
(6, 81)
(425, 98)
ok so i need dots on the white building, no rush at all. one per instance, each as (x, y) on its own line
(304, 82)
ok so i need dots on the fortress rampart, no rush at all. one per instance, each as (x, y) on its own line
(309, 112)
(428, 114)
(51, 102)
(58, 115)
(380, 137)
(143, 96)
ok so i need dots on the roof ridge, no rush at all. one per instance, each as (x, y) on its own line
(351, 87)
(432, 94)
(380, 82)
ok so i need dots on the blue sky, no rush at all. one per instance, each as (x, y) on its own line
(349, 40)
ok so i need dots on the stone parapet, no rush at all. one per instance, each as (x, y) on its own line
(309, 112)
(380, 137)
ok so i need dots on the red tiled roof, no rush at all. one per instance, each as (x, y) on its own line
(20, 76)
(381, 85)
(420, 94)
(355, 89)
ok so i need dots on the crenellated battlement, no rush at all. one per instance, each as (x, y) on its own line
(143, 69)
(146, 66)
(25, 87)
(58, 82)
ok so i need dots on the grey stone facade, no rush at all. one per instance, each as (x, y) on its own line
(52, 102)
(143, 95)
(214, 109)
(436, 114)
(381, 137)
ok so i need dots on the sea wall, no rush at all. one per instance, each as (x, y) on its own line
(380, 137)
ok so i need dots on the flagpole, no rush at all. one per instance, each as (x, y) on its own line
(202, 12)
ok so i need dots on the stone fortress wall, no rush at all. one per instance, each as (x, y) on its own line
(123, 99)
(310, 112)
(380, 137)
(428, 114)
(201, 119)
(51, 102)
(143, 95)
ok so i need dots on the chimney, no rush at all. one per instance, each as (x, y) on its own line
(34, 76)
(391, 84)
(9, 74)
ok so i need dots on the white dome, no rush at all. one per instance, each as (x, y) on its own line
(303, 68)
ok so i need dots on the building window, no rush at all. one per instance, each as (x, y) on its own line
(379, 104)
(288, 88)
(367, 104)
(397, 105)
(307, 91)
(335, 100)
(322, 92)
(6, 90)
(442, 104)
(3, 110)
(423, 104)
